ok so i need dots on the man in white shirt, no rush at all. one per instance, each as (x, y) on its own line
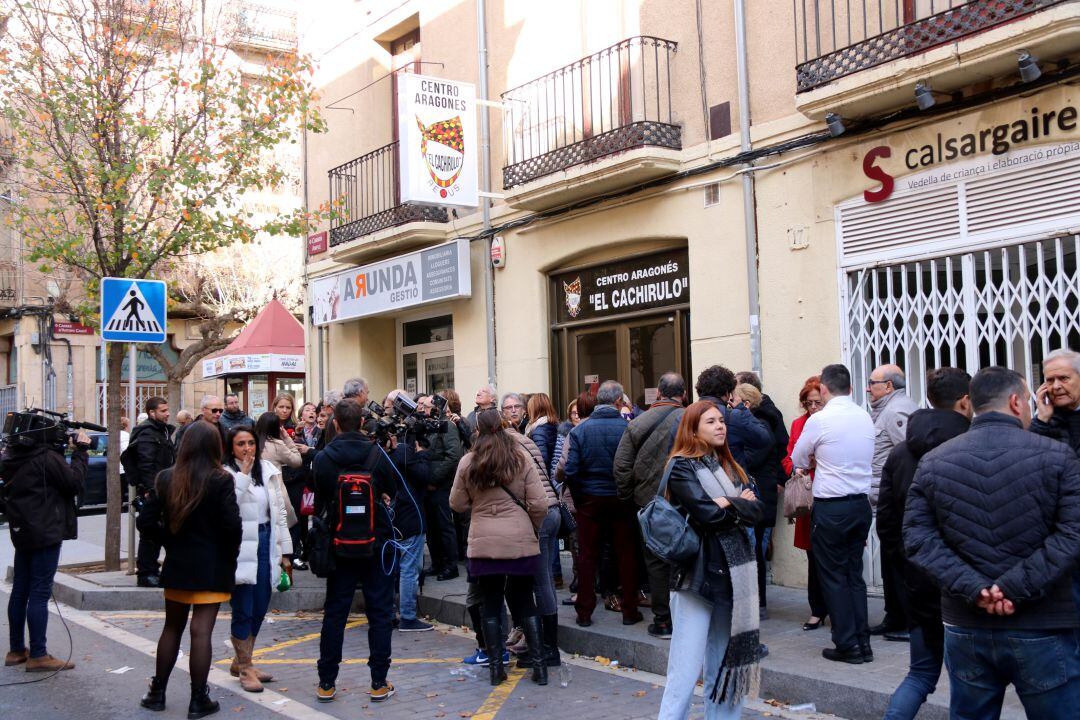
(838, 442)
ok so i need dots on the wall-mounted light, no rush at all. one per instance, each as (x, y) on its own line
(835, 124)
(924, 96)
(1029, 66)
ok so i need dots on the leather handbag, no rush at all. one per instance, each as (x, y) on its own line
(798, 496)
(666, 532)
(567, 521)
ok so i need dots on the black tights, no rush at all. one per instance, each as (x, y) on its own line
(516, 589)
(200, 653)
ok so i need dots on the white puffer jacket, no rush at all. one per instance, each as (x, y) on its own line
(280, 540)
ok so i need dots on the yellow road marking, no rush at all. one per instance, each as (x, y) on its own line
(295, 641)
(499, 696)
(354, 661)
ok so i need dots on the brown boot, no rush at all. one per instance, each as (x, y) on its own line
(16, 657)
(264, 677)
(249, 681)
(47, 663)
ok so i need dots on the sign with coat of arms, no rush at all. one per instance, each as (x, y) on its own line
(437, 157)
(623, 286)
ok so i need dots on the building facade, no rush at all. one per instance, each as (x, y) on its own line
(906, 191)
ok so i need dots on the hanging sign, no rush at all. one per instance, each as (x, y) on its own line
(441, 272)
(620, 287)
(437, 156)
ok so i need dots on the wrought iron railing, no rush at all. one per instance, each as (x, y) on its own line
(610, 101)
(834, 38)
(366, 190)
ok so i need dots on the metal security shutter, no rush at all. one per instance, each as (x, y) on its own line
(1040, 198)
(1034, 195)
(873, 228)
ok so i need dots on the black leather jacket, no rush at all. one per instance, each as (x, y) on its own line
(707, 574)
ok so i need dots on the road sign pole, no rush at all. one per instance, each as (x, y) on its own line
(132, 414)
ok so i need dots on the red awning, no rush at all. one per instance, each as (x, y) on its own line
(273, 331)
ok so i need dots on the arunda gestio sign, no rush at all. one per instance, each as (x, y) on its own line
(617, 288)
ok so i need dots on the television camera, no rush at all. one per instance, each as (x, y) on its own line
(36, 426)
(404, 418)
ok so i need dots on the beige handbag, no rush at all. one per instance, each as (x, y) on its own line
(798, 496)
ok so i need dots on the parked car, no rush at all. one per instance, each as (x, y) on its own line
(95, 492)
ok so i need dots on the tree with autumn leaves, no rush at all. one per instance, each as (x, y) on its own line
(136, 130)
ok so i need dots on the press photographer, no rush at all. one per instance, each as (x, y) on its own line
(445, 453)
(39, 489)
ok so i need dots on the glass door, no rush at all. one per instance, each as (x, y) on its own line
(438, 372)
(653, 352)
(594, 359)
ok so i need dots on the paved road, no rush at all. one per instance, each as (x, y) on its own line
(426, 672)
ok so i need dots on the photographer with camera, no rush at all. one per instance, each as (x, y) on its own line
(39, 489)
(150, 450)
(445, 454)
(355, 484)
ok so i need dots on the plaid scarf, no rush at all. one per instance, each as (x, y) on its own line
(740, 672)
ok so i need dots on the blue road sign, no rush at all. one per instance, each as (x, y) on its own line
(132, 310)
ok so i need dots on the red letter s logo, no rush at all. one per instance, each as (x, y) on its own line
(873, 172)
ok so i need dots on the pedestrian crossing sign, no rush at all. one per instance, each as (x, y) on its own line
(132, 310)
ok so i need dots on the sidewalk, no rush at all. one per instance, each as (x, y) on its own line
(793, 673)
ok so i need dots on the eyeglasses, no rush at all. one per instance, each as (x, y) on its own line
(216, 411)
(513, 407)
(872, 383)
(813, 403)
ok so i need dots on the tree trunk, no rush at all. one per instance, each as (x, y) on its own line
(115, 491)
(174, 396)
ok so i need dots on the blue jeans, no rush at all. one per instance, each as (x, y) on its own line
(250, 602)
(1043, 665)
(701, 631)
(378, 607)
(29, 601)
(543, 585)
(411, 562)
(924, 670)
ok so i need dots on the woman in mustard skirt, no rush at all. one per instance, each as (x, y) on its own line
(196, 518)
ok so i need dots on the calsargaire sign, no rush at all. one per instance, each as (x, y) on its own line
(437, 157)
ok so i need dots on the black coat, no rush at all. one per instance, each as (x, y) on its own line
(154, 452)
(926, 430)
(998, 505)
(765, 464)
(408, 506)
(39, 494)
(1064, 425)
(202, 554)
(707, 575)
(354, 451)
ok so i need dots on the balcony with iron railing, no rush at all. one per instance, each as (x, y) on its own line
(368, 202)
(559, 126)
(264, 27)
(847, 47)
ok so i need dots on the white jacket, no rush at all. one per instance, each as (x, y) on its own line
(280, 540)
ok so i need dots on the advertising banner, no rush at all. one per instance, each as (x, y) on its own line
(438, 152)
(438, 273)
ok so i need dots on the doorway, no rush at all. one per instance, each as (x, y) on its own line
(635, 352)
(427, 354)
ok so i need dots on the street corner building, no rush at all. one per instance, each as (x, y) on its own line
(624, 189)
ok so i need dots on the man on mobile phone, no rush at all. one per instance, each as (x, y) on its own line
(1057, 401)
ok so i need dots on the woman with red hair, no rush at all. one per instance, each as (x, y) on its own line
(714, 595)
(810, 401)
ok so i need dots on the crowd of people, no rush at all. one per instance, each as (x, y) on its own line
(977, 506)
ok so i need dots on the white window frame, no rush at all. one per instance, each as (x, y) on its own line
(427, 349)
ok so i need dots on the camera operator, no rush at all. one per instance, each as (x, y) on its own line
(351, 451)
(153, 452)
(39, 493)
(445, 454)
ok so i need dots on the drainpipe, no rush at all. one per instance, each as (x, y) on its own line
(485, 184)
(749, 209)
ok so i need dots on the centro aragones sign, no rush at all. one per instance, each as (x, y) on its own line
(617, 288)
(437, 157)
